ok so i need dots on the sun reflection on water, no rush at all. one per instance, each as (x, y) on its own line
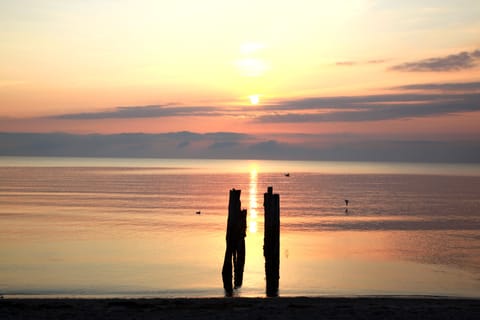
(254, 261)
(252, 227)
(252, 197)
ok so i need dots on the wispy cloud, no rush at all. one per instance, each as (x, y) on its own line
(350, 63)
(376, 61)
(453, 62)
(358, 102)
(346, 63)
(131, 112)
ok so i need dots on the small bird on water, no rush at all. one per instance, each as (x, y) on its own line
(346, 202)
(198, 212)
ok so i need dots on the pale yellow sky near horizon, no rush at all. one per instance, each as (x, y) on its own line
(61, 57)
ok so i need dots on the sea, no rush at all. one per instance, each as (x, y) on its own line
(101, 227)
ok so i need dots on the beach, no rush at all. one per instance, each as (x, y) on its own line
(243, 308)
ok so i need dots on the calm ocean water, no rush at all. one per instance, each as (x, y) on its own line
(128, 227)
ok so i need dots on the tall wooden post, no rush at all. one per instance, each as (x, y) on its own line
(235, 238)
(271, 241)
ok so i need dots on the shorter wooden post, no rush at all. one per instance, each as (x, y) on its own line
(271, 241)
(235, 238)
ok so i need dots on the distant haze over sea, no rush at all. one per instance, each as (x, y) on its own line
(232, 145)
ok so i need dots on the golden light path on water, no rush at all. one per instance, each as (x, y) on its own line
(252, 197)
(254, 262)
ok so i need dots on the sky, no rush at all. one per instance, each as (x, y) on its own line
(306, 79)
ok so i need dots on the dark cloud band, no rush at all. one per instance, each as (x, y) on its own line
(225, 145)
(415, 100)
(152, 111)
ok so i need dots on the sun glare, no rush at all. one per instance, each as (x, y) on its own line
(251, 47)
(254, 99)
(251, 67)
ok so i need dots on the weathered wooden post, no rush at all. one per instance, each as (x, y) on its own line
(235, 238)
(271, 241)
(239, 252)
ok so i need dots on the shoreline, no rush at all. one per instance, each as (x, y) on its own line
(398, 307)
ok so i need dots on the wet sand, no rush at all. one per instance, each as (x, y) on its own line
(243, 308)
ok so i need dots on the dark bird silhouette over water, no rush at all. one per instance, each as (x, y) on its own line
(346, 202)
(287, 174)
(198, 212)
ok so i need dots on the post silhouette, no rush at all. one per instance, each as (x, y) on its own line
(271, 241)
(235, 239)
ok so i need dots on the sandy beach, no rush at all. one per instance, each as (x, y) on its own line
(243, 308)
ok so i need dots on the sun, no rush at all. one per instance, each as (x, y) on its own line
(254, 99)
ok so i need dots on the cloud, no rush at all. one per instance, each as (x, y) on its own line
(348, 102)
(226, 136)
(255, 147)
(183, 144)
(151, 111)
(172, 144)
(460, 86)
(405, 105)
(215, 140)
(346, 63)
(413, 100)
(376, 61)
(269, 146)
(223, 145)
(454, 62)
(182, 136)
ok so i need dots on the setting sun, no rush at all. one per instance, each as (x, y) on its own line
(254, 99)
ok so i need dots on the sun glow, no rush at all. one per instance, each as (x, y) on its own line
(251, 64)
(251, 47)
(251, 67)
(254, 99)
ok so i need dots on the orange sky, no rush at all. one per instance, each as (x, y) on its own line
(72, 66)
